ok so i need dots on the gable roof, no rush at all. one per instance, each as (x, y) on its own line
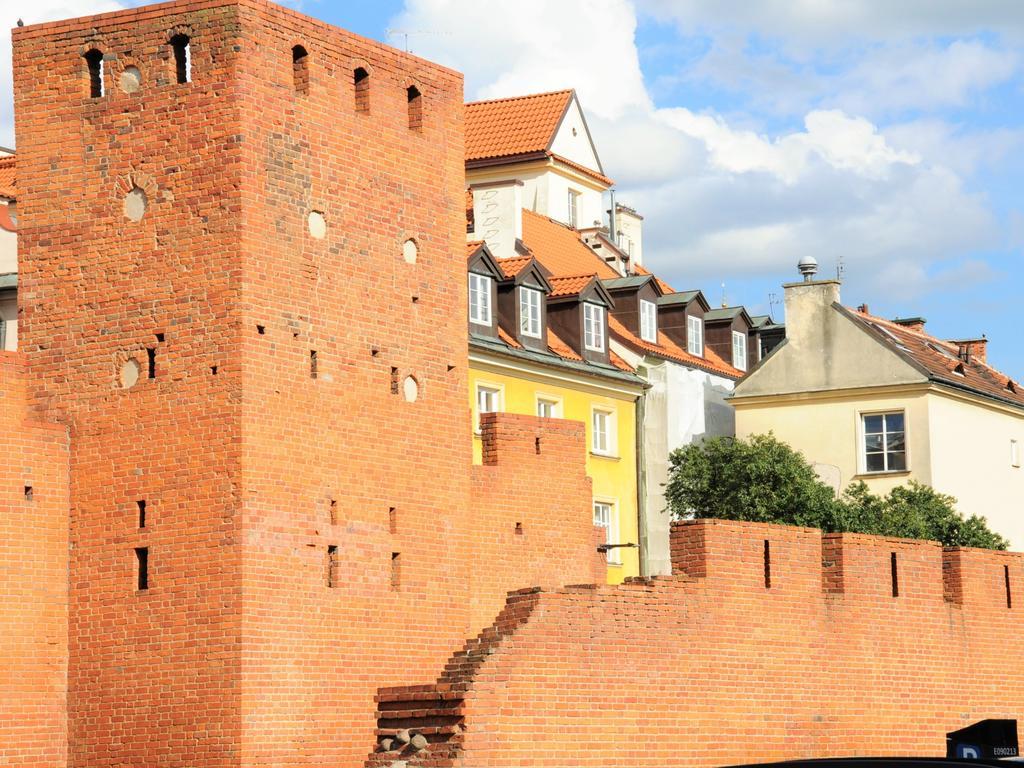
(630, 281)
(8, 176)
(727, 313)
(683, 298)
(560, 249)
(940, 360)
(479, 259)
(669, 350)
(516, 126)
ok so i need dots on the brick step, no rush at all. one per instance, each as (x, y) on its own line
(445, 729)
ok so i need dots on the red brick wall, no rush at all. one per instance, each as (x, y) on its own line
(33, 580)
(711, 667)
(525, 531)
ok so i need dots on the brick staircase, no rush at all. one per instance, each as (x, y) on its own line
(421, 726)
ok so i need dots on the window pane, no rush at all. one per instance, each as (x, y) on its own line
(873, 443)
(894, 422)
(897, 461)
(894, 442)
(872, 423)
(875, 462)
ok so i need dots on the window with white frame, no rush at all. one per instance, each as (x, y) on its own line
(529, 312)
(593, 327)
(479, 299)
(604, 517)
(1014, 454)
(602, 432)
(549, 408)
(739, 350)
(649, 321)
(885, 442)
(695, 335)
(488, 400)
(574, 208)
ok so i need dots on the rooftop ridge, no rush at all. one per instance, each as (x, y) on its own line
(521, 98)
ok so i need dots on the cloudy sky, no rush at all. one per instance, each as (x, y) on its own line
(885, 137)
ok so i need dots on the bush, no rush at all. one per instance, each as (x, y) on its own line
(764, 480)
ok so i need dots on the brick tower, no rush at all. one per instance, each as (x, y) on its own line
(242, 291)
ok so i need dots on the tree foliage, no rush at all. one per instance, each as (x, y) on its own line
(764, 480)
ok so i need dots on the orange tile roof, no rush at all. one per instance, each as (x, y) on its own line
(940, 359)
(669, 349)
(513, 265)
(472, 246)
(568, 286)
(516, 126)
(508, 339)
(8, 176)
(560, 249)
(583, 169)
(560, 348)
(665, 287)
(619, 363)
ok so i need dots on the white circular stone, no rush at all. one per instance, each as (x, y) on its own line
(129, 373)
(317, 225)
(409, 251)
(131, 80)
(410, 389)
(135, 204)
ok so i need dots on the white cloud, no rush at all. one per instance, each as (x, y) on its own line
(35, 12)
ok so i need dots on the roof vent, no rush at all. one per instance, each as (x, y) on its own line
(808, 267)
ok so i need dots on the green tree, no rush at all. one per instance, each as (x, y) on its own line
(764, 480)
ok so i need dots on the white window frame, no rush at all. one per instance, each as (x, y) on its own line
(649, 321)
(608, 445)
(554, 402)
(593, 326)
(862, 446)
(1014, 451)
(573, 207)
(530, 311)
(480, 313)
(499, 395)
(695, 335)
(611, 509)
(739, 361)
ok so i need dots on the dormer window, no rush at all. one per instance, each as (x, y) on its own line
(739, 350)
(529, 312)
(695, 335)
(593, 327)
(649, 321)
(479, 299)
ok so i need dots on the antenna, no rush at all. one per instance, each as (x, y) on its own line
(404, 34)
(724, 302)
(773, 299)
(840, 268)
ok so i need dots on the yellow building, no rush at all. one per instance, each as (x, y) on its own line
(520, 364)
(884, 402)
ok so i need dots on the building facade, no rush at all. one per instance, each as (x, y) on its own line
(864, 398)
(8, 252)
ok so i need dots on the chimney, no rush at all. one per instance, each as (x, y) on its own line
(809, 306)
(498, 216)
(976, 348)
(911, 323)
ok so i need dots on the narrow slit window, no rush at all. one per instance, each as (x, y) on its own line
(361, 78)
(396, 570)
(895, 574)
(332, 565)
(300, 69)
(394, 381)
(182, 49)
(767, 564)
(142, 568)
(94, 62)
(151, 362)
(1006, 583)
(415, 99)
(334, 511)
(141, 504)
(392, 519)
(29, 493)
(313, 364)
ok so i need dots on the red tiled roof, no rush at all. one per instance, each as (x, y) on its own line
(665, 287)
(619, 363)
(568, 286)
(940, 359)
(582, 169)
(669, 349)
(513, 265)
(508, 339)
(516, 126)
(560, 249)
(8, 176)
(564, 351)
(560, 348)
(471, 247)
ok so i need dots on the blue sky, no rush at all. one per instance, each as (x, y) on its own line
(885, 136)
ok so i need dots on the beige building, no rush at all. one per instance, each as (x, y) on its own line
(8, 254)
(884, 402)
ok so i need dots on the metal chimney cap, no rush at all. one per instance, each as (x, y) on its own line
(808, 267)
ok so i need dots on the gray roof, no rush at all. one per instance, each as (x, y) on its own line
(9, 280)
(680, 297)
(723, 313)
(759, 320)
(633, 281)
(551, 359)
